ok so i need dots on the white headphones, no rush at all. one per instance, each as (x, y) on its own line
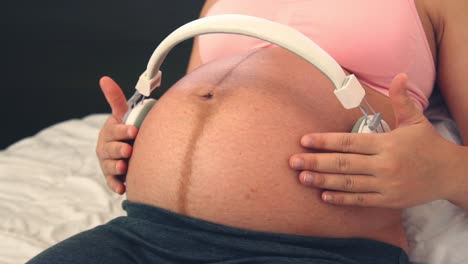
(348, 90)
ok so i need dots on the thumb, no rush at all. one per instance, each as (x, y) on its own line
(405, 109)
(114, 96)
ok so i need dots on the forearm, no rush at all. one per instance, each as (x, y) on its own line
(459, 195)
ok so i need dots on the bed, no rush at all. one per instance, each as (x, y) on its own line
(52, 188)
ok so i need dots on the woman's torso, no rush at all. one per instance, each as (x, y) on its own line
(216, 147)
(224, 158)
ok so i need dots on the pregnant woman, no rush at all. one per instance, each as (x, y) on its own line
(209, 179)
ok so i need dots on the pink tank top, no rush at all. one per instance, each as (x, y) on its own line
(373, 39)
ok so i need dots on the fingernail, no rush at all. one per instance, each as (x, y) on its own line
(306, 141)
(119, 189)
(307, 178)
(327, 197)
(123, 152)
(130, 132)
(120, 167)
(297, 163)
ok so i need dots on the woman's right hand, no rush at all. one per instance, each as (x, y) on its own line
(112, 147)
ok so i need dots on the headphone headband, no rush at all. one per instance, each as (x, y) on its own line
(347, 88)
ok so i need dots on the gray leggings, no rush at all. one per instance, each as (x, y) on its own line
(154, 235)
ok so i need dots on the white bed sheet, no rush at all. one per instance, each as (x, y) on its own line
(51, 188)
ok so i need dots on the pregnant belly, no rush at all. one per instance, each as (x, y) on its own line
(216, 147)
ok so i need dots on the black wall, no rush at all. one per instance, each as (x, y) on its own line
(54, 52)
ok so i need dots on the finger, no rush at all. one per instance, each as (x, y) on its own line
(114, 96)
(119, 132)
(114, 167)
(339, 182)
(115, 184)
(342, 142)
(341, 163)
(404, 107)
(116, 151)
(353, 199)
(114, 172)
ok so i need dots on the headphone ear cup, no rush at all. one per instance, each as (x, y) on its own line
(357, 126)
(137, 114)
(361, 126)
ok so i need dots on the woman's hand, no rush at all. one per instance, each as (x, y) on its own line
(112, 150)
(406, 167)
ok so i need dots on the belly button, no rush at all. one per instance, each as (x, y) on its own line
(208, 96)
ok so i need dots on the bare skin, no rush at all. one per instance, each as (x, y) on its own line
(419, 165)
(452, 86)
(216, 147)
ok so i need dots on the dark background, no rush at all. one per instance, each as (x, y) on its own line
(54, 52)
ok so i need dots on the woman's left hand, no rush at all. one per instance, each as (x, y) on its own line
(406, 167)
